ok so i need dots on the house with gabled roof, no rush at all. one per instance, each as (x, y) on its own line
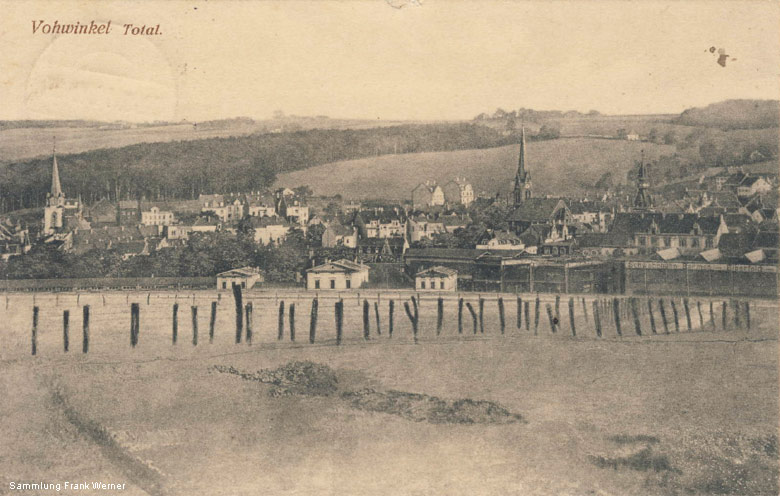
(438, 278)
(244, 277)
(340, 274)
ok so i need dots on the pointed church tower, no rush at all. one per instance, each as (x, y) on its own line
(642, 200)
(522, 189)
(55, 200)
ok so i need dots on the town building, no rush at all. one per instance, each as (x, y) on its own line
(429, 194)
(156, 217)
(60, 214)
(245, 277)
(436, 278)
(341, 274)
(269, 230)
(337, 234)
(458, 192)
(228, 210)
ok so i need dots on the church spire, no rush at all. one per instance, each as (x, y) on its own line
(56, 187)
(522, 186)
(642, 199)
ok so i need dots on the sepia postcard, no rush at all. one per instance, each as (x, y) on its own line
(389, 247)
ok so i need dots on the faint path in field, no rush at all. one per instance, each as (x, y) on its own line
(136, 471)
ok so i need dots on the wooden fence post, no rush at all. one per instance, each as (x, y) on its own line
(412, 319)
(652, 317)
(481, 315)
(65, 329)
(676, 316)
(439, 315)
(701, 317)
(501, 314)
(616, 313)
(597, 317)
(735, 306)
(212, 321)
(460, 315)
(85, 329)
(635, 314)
(723, 315)
(391, 308)
(686, 306)
(536, 316)
(339, 307)
(292, 321)
(712, 315)
(175, 323)
(526, 306)
(520, 313)
(135, 317)
(558, 308)
(194, 325)
(280, 322)
(248, 316)
(747, 314)
(239, 312)
(584, 309)
(366, 322)
(663, 315)
(34, 332)
(571, 317)
(376, 314)
(313, 320)
(550, 316)
(473, 315)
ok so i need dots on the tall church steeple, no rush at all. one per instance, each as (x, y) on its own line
(522, 187)
(642, 200)
(56, 196)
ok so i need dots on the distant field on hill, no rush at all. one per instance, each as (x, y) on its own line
(34, 141)
(558, 167)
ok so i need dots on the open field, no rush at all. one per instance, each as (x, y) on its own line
(25, 143)
(558, 167)
(693, 412)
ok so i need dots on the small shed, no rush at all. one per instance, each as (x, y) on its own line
(246, 277)
(436, 279)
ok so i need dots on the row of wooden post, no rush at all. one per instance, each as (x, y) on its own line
(620, 308)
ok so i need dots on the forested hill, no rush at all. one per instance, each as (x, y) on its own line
(185, 169)
(734, 114)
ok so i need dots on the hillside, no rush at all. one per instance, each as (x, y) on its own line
(734, 114)
(20, 140)
(558, 167)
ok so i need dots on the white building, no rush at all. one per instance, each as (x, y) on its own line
(246, 277)
(341, 274)
(156, 217)
(436, 279)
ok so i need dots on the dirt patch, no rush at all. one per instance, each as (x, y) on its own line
(313, 379)
(643, 460)
(295, 378)
(424, 408)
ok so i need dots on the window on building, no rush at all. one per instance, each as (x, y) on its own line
(224, 285)
(316, 284)
(441, 285)
(243, 284)
(642, 240)
(349, 283)
(332, 284)
(667, 241)
(708, 242)
(683, 242)
(695, 242)
(422, 284)
(654, 241)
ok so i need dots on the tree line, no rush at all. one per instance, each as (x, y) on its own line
(184, 169)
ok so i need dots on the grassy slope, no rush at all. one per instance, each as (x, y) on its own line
(557, 167)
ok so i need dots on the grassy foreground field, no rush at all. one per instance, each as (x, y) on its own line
(558, 167)
(693, 412)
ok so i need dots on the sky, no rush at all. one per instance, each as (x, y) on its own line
(437, 60)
